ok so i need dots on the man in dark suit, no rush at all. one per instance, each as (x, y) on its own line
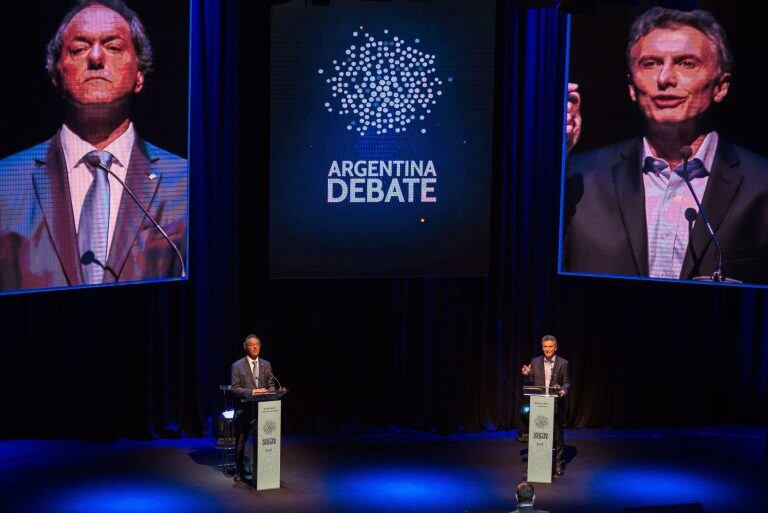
(250, 376)
(550, 371)
(628, 207)
(65, 220)
(525, 495)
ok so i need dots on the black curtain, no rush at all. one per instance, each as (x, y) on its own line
(424, 354)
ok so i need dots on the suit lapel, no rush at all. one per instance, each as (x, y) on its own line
(130, 215)
(51, 185)
(630, 193)
(248, 371)
(723, 183)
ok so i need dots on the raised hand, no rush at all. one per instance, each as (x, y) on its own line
(573, 117)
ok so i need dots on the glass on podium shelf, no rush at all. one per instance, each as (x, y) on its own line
(545, 391)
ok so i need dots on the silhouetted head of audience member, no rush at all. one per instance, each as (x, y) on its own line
(525, 494)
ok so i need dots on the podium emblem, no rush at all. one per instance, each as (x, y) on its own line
(541, 421)
(269, 427)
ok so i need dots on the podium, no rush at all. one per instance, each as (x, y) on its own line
(265, 438)
(540, 429)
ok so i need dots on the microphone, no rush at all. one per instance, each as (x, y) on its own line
(89, 258)
(278, 381)
(686, 152)
(95, 161)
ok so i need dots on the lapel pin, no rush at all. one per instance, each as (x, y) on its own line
(152, 176)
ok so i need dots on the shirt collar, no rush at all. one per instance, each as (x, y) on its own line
(705, 155)
(550, 361)
(251, 360)
(75, 148)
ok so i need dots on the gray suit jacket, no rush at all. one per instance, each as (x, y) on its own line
(242, 381)
(559, 373)
(530, 509)
(38, 240)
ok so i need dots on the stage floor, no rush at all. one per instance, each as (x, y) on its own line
(723, 468)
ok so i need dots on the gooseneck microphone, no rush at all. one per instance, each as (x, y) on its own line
(686, 153)
(281, 387)
(95, 161)
(89, 257)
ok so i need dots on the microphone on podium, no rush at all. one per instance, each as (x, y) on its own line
(89, 257)
(95, 161)
(686, 152)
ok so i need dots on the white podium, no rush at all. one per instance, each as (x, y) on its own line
(540, 432)
(265, 433)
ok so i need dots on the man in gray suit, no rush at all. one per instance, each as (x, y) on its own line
(64, 217)
(525, 497)
(550, 371)
(250, 376)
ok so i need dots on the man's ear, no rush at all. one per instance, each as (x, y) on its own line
(632, 88)
(721, 87)
(139, 82)
(55, 78)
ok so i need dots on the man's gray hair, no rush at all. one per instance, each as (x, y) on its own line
(663, 18)
(249, 337)
(139, 37)
(548, 337)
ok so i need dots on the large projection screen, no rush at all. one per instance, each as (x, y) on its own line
(94, 107)
(381, 125)
(651, 83)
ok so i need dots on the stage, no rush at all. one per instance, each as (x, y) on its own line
(723, 468)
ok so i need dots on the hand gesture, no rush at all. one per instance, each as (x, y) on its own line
(573, 117)
(526, 370)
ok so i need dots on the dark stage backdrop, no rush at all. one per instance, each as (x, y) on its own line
(437, 354)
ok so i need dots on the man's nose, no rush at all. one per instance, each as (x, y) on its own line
(667, 75)
(96, 57)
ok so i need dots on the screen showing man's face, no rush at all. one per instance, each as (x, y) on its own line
(675, 75)
(669, 181)
(98, 62)
(94, 144)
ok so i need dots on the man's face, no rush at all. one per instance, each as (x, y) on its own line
(548, 347)
(253, 347)
(675, 76)
(98, 63)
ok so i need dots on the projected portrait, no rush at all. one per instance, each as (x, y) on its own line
(677, 200)
(95, 203)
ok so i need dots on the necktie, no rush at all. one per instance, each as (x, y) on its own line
(93, 228)
(256, 372)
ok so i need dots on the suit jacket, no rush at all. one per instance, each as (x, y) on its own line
(243, 382)
(38, 241)
(606, 229)
(529, 509)
(560, 374)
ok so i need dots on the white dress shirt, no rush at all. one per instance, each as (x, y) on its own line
(666, 200)
(549, 365)
(80, 177)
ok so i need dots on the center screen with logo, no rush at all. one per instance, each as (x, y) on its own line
(381, 132)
